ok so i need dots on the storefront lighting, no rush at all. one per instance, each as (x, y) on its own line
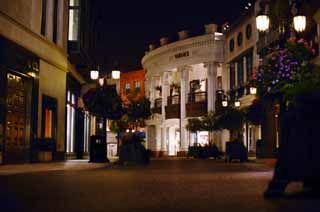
(127, 130)
(101, 81)
(262, 22)
(253, 90)
(133, 131)
(115, 74)
(32, 74)
(299, 23)
(224, 103)
(94, 74)
(237, 103)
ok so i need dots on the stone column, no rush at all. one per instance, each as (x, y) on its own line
(151, 87)
(184, 82)
(158, 140)
(165, 87)
(164, 84)
(163, 150)
(212, 85)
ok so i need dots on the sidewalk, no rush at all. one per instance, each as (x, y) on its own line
(45, 167)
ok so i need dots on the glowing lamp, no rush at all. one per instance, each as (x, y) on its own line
(101, 81)
(299, 23)
(237, 103)
(262, 22)
(224, 103)
(94, 74)
(115, 74)
(253, 90)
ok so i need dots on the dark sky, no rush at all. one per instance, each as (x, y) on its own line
(127, 27)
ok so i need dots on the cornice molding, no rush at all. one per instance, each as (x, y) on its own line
(188, 44)
(35, 43)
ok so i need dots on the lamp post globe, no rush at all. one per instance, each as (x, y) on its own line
(299, 23)
(94, 74)
(115, 74)
(262, 22)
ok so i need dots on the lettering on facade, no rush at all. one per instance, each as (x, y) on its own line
(181, 54)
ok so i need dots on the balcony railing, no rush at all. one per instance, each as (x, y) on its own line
(197, 97)
(173, 107)
(197, 104)
(174, 100)
(157, 106)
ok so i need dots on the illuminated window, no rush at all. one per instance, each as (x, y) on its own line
(86, 132)
(48, 123)
(137, 86)
(127, 88)
(49, 117)
(74, 20)
(71, 110)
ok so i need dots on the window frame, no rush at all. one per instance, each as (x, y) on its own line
(74, 8)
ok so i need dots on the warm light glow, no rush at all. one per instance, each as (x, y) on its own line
(224, 103)
(262, 22)
(94, 74)
(32, 74)
(299, 23)
(133, 131)
(127, 130)
(237, 103)
(253, 90)
(115, 74)
(101, 81)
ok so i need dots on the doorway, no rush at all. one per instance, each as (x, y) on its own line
(18, 118)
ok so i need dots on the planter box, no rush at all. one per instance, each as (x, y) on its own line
(44, 156)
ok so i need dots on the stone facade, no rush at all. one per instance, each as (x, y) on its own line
(21, 24)
(181, 77)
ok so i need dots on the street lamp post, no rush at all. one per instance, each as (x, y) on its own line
(290, 24)
(94, 75)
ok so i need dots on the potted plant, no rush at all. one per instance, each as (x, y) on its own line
(45, 148)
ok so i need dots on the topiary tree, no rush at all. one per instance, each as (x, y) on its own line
(104, 102)
(232, 120)
(138, 111)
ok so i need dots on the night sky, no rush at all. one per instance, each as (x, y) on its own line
(127, 27)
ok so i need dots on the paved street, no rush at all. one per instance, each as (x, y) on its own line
(165, 185)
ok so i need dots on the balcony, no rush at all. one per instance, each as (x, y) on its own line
(157, 106)
(197, 104)
(173, 107)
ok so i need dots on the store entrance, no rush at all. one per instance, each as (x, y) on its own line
(17, 119)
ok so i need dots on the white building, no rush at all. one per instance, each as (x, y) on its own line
(189, 73)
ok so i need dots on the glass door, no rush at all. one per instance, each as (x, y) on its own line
(18, 115)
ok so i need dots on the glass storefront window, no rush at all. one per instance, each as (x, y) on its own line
(71, 109)
(73, 24)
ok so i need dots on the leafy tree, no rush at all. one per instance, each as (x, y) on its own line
(103, 101)
(232, 120)
(138, 111)
(194, 125)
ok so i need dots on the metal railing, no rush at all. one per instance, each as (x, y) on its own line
(158, 103)
(197, 97)
(174, 100)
